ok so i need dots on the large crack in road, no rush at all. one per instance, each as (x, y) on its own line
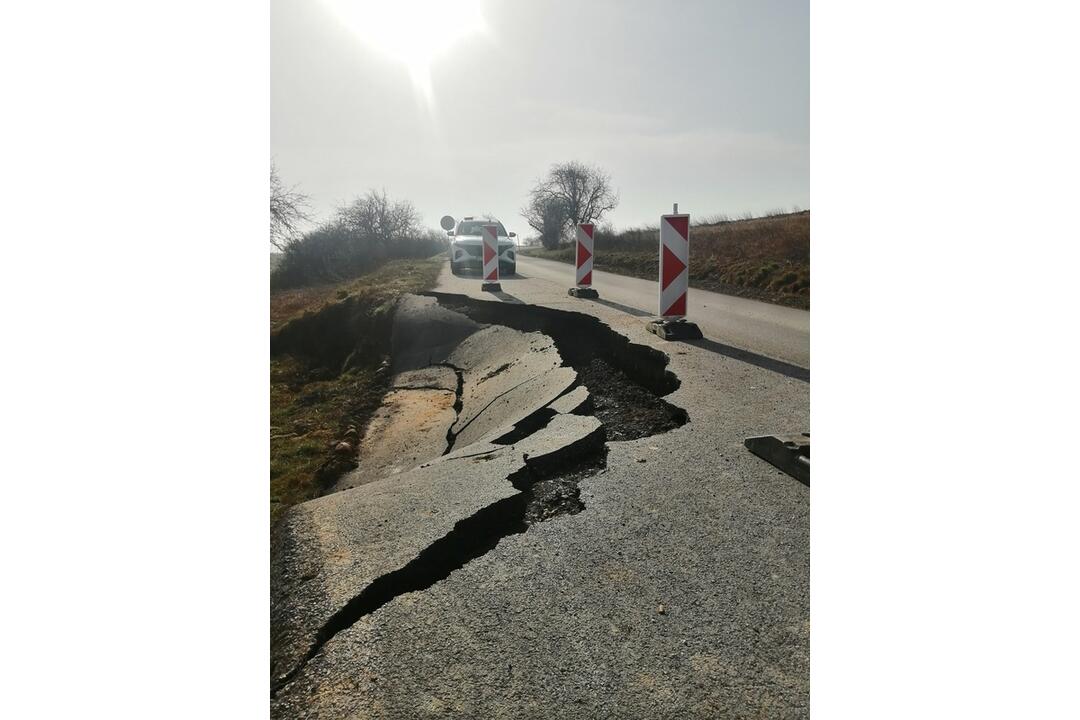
(626, 381)
(547, 487)
(451, 436)
(623, 384)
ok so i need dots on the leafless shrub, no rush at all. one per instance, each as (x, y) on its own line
(360, 237)
(379, 219)
(288, 210)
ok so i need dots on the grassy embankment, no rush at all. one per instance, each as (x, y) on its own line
(328, 344)
(765, 258)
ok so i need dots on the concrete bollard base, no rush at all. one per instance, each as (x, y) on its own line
(674, 329)
(582, 292)
(790, 453)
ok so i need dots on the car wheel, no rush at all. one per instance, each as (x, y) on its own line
(454, 268)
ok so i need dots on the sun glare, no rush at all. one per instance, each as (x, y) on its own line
(412, 32)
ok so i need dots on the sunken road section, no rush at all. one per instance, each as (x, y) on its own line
(626, 381)
(342, 557)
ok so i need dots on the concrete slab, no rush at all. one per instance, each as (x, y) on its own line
(572, 401)
(507, 376)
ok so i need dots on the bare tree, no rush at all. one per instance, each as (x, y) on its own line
(376, 217)
(288, 209)
(548, 217)
(571, 193)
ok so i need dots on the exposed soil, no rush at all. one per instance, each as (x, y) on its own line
(627, 409)
(558, 493)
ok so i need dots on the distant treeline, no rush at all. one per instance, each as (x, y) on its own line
(359, 238)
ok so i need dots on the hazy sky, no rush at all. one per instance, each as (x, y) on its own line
(704, 103)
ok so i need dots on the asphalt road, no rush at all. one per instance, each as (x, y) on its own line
(771, 330)
(680, 590)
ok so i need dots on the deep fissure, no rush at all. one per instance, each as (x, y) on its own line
(539, 419)
(547, 488)
(459, 393)
(526, 426)
(626, 381)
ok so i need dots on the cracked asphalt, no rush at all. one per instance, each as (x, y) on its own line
(681, 590)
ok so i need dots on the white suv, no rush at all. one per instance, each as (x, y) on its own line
(467, 247)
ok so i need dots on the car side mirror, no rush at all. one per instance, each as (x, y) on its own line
(513, 234)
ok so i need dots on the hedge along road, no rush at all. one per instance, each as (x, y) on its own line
(770, 330)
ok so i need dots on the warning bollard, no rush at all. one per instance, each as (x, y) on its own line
(583, 261)
(490, 235)
(674, 279)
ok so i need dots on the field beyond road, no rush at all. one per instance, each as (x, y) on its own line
(765, 258)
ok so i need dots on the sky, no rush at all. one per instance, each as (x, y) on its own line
(460, 106)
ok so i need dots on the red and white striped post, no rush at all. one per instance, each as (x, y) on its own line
(583, 261)
(674, 278)
(490, 236)
(674, 265)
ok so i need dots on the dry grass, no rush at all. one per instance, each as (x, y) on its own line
(764, 258)
(314, 407)
(389, 281)
(309, 415)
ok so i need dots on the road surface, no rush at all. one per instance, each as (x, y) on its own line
(679, 590)
(771, 330)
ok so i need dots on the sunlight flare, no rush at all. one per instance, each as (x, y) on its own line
(412, 32)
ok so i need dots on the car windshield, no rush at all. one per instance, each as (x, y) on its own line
(473, 227)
